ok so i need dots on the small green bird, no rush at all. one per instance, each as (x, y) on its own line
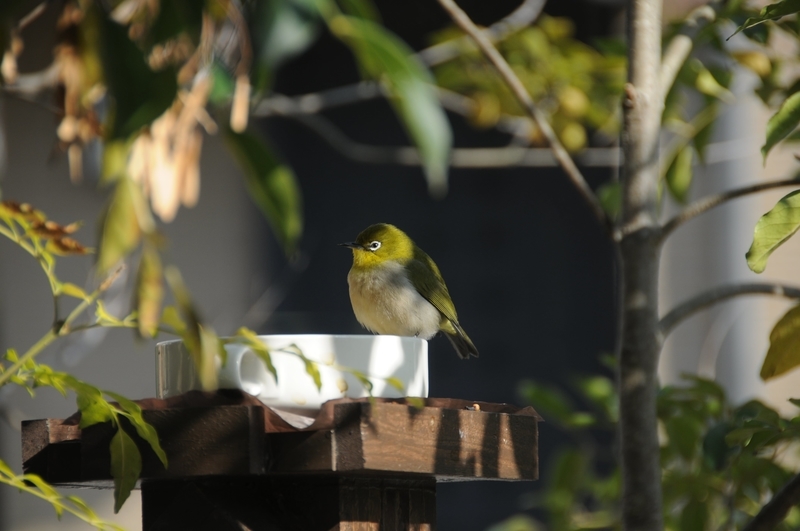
(395, 288)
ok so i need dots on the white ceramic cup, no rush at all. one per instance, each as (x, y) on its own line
(404, 359)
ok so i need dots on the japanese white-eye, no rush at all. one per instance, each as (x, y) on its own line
(395, 288)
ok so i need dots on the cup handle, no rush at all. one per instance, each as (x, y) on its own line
(246, 371)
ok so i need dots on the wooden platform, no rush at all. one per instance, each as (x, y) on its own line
(365, 462)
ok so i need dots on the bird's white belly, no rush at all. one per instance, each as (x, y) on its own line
(385, 302)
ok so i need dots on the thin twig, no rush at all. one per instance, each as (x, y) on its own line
(681, 45)
(527, 12)
(719, 294)
(522, 95)
(32, 15)
(703, 205)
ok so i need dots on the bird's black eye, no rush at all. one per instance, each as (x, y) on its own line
(374, 246)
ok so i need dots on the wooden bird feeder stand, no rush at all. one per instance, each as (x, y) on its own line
(235, 464)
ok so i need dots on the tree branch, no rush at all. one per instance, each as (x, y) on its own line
(681, 45)
(774, 512)
(518, 89)
(719, 294)
(703, 205)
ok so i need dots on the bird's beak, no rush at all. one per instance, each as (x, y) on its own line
(352, 245)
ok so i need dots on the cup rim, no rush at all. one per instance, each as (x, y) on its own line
(334, 336)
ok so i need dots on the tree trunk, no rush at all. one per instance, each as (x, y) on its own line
(639, 250)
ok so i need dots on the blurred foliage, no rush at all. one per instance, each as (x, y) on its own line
(577, 86)
(719, 461)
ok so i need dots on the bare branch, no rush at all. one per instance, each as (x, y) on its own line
(719, 294)
(524, 15)
(681, 45)
(519, 91)
(32, 15)
(703, 205)
(501, 157)
(774, 512)
(34, 83)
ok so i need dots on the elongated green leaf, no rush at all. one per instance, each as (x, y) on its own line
(140, 95)
(384, 57)
(93, 406)
(679, 174)
(773, 229)
(121, 224)
(784, 346)
(149, 291)
(126, 466)
(782, 123)
(771, 12)
(694, 516)
(145, 430)
(250, 338)
(272, 186)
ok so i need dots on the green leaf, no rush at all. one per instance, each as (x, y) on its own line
(145, 430)
(139, 94)
(610, 196)
(694, 516)
(679, 174)
(149, 293)
(93, 406)
(782, 123)
(716, 450)
(222, 84)
(696, 74)
(363, 9)
(773, 229)
(770, 12)
(396, 383)
(384, 57)
(176, 17)
(784, 346)
(272, 186)
(126, 466)
(280, 29)
(122, 224)
(548, 400)
(684, 435)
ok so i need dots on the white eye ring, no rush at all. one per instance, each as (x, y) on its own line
(374, 246)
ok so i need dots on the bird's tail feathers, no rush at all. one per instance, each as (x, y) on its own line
(461, 342)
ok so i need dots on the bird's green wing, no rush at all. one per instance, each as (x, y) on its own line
(427, 280)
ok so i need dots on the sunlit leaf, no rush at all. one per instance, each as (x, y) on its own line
(773, 229)
(697, 75)
(120, 226)
(251, 339)
(396, 383)
(771, 12)
(782, 123)
(784, 346)
(71, 290)
(679, 174)
(384, 57)
(126, 466)
(93, 406)
(272, 186)
(149, 291)
(145, 430)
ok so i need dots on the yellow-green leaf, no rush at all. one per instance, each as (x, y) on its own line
(121, 230)
(126, 466)
(784, 346)
(105, 318)
(679, 174)
(774, 228)
(782, 123)
(70, 289)
(149, 291)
